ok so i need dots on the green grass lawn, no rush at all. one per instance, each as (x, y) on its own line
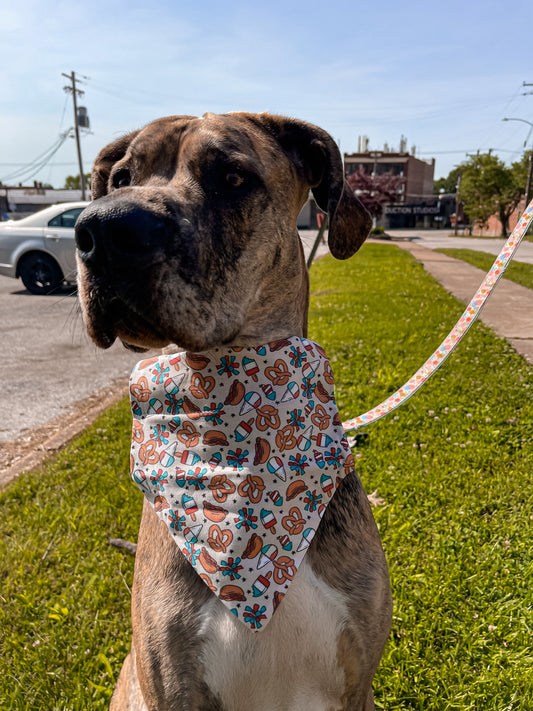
(519, 272)
(454, 467)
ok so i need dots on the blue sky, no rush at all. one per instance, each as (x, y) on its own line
(442, 74)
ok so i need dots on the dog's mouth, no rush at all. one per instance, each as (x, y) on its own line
(109, 316)
(113, 318)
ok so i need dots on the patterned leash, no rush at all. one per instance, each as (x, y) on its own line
(460, 329)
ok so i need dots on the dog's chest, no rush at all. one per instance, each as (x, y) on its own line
(294, 664)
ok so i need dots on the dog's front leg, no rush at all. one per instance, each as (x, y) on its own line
(167, 597)
(127, 695)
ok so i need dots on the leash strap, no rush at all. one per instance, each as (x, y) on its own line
(460, 329)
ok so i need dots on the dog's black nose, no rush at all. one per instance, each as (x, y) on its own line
(118, 230)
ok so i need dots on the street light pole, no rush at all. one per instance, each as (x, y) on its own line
(457, 188)
(529, 175)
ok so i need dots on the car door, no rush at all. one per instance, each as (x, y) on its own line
(59, 240)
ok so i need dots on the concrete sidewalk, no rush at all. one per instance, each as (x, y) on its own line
(438, 239)
(508, 310)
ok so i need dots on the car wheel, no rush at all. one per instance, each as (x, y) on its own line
(40, 273)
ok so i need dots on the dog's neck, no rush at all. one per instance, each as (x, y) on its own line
(280, 307)
(239, 451)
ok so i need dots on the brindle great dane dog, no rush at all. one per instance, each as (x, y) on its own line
(192, 240)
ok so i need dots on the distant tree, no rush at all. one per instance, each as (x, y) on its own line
(448, 184)
(376, 191)
(72, 182)
(489, 187)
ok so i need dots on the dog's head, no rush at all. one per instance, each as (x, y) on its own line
(191, 238)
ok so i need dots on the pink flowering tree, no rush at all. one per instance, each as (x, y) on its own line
(376, 191)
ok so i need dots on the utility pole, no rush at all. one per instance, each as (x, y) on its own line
(75, 93)
(529, 178)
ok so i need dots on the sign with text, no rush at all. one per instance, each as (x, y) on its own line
(412, 210)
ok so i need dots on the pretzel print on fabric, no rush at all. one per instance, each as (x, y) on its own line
(239, 451)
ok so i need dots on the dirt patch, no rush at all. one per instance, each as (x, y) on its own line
(29, 450)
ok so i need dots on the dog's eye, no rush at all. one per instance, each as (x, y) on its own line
(121, 179)
(234, 180)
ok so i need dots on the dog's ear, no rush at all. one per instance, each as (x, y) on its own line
(318, 160)
(105, 161)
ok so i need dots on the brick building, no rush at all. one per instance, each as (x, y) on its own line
(417, 206)
(418, 173)
(493, 228)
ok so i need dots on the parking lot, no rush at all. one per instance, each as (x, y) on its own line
(48, 365)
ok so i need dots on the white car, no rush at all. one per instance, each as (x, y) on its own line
(40, 249)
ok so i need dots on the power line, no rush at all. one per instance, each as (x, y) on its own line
(43, 164)
(20, 165)
(28, 170)
(29, 166)
(63, 113)
(466, 150)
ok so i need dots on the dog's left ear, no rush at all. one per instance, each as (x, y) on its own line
(318, 160)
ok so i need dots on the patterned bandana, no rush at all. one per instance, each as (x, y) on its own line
(239, 451)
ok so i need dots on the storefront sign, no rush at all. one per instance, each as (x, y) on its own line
(412, 210)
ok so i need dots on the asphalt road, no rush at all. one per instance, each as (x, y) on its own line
(47, 363)
(435, 239)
